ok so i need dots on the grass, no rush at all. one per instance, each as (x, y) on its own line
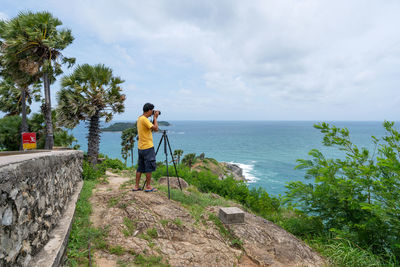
(342, 253)
(149, 235)
(195, 201)
(177, 222)
(130, 227)
(113, 201)
(152, 232)
(82, 233)
(149, 261)
(164, 222)
(117, 250)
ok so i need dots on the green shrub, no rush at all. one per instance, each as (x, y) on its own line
(10, 137)
(256, 200)
(301, 224)
(115, 164)
(92, 173)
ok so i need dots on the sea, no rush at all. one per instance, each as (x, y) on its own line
(267, 151)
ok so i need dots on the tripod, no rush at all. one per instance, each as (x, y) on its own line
(166, 141)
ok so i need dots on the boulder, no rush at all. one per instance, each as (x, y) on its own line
(173, 182)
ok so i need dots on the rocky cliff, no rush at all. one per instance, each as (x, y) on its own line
(222, 169)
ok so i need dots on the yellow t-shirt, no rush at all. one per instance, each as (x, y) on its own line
(144, 132)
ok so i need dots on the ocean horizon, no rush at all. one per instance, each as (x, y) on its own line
(266, 150)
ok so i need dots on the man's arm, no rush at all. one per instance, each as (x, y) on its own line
(155, 123)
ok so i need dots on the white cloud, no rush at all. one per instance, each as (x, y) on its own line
(282, 55)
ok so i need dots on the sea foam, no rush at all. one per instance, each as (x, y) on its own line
(248, 170)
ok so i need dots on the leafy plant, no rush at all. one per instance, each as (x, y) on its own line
(357, 197)
(189, 159)
(115, 164)
(152, 232)
(10, 138)
(32, 43)
(90, 93)
(90, 172)
(128, 141)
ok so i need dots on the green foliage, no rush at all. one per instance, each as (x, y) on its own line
(152, 232)
(300, 224)
(128, 141)
(189, 159)
(64, 139)
(31, 50)
(177, 155)
(114, 164)
(343, 253)
(61, 137)
(90, 172)
(10, 137)
(33, 41)
(90, 93)
(258, 200)
(177, 222)
(164, 222)
(117, 250)
(356, 197)
(89, 90)
(119, 127)
(11, 97)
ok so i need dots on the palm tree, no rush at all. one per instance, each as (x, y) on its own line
(178, 153)
(189, 159)
(11, 97)
(32, 42)
(90, 93)
(128, 141)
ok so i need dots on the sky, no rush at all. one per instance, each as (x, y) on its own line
(314, 60)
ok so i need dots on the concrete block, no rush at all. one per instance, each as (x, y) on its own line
(231, 215)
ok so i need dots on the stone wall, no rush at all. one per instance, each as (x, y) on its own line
(34, 191)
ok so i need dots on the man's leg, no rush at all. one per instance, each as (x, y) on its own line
(138, 174)
(148, 180)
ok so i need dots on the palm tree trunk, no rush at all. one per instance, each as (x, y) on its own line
(94, 138)
(49, 143)
(24, 123)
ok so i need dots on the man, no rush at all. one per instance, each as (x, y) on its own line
(147, 155)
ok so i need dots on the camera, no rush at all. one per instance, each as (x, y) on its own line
(159, 112)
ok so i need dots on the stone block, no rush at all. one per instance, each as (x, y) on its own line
(231, 215)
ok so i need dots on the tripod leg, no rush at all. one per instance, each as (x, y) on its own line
(166, 163)
(173, 160)
(159, 144)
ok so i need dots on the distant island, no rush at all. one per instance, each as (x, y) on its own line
(120, 126)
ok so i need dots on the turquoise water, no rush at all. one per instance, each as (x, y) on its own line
(266, 150)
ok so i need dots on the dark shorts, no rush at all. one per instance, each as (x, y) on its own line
(147, 160)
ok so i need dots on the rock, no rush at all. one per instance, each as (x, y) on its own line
(13, 193)
(187, 239)
(173, 182)
(233, 170)
(7, 217)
